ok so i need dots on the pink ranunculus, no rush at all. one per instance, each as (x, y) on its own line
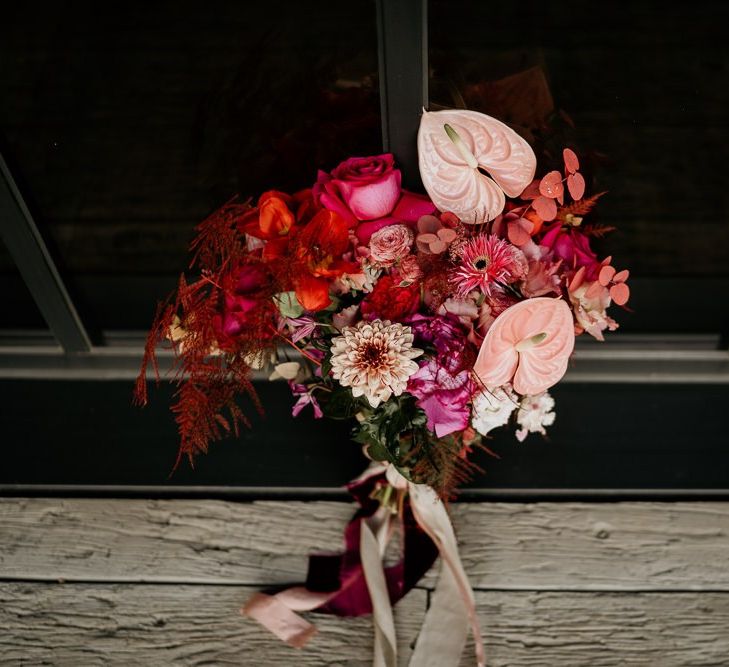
(391, 244)
(573, 247)
(369, 187)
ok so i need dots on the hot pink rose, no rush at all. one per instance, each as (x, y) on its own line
(409, 210)
(390, 244)
(366, 193)
(361, 188)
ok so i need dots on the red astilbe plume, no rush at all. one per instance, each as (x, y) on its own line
(215, 325)
(436, 270)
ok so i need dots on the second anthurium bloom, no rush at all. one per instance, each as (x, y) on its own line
(528, 345)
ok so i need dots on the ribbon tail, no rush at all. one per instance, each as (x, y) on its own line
(371, 552)
(274, 614)
(444, 632)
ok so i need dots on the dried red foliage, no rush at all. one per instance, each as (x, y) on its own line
(211, 368)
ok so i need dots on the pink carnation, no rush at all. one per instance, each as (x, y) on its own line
(408, 270)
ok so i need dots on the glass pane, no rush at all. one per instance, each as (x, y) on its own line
(128, 127)
(640, 91)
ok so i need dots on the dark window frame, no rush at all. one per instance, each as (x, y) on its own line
(692, 360)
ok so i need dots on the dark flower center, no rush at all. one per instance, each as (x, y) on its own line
(372, 355)
(482, 263)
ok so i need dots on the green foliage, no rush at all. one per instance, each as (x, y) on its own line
(288, 305)
(340, 404)
(390, 431)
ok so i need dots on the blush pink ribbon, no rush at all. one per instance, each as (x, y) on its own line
(364, 585)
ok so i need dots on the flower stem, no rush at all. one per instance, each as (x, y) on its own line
(296, 347)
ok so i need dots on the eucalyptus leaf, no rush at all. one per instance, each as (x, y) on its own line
(288, 305)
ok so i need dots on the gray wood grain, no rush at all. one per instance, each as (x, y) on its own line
(124, 624)
(533, 629)
(83, 625)
(566, 546)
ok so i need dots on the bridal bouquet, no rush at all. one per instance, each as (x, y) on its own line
(429, 321)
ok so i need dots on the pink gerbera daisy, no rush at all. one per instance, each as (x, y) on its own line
(488, 262)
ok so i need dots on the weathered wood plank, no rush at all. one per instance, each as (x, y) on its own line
(129, 624)
(578, 546)
(97, 624)
(177, 541)
(603, 629)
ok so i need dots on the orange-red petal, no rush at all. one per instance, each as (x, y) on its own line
(274, 218)
(312, 293)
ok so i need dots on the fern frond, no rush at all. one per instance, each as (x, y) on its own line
(581, 207)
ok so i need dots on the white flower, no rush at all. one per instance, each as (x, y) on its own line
(375, 359)
(493, 409)
(363, 282)
(535, 412)
(589, 302)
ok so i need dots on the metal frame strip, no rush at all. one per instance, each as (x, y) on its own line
(31, 256)
(403, 58)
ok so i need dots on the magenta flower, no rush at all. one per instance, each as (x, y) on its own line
(301, 327)
(443, 396)
(573, 247)
(306, 397)
(443, 384)
(242, 294)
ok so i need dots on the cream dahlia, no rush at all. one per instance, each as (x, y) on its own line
(486, 261)
(375, 359)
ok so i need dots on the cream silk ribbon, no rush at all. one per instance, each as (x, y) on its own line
(452, 610)
(374, 538)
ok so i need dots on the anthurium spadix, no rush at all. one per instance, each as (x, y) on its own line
(468, 161)
(529, 345)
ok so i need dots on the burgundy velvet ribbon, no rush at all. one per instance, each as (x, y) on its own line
(343, 575)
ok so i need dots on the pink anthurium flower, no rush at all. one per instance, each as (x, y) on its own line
(529, 345)
(456, 148)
